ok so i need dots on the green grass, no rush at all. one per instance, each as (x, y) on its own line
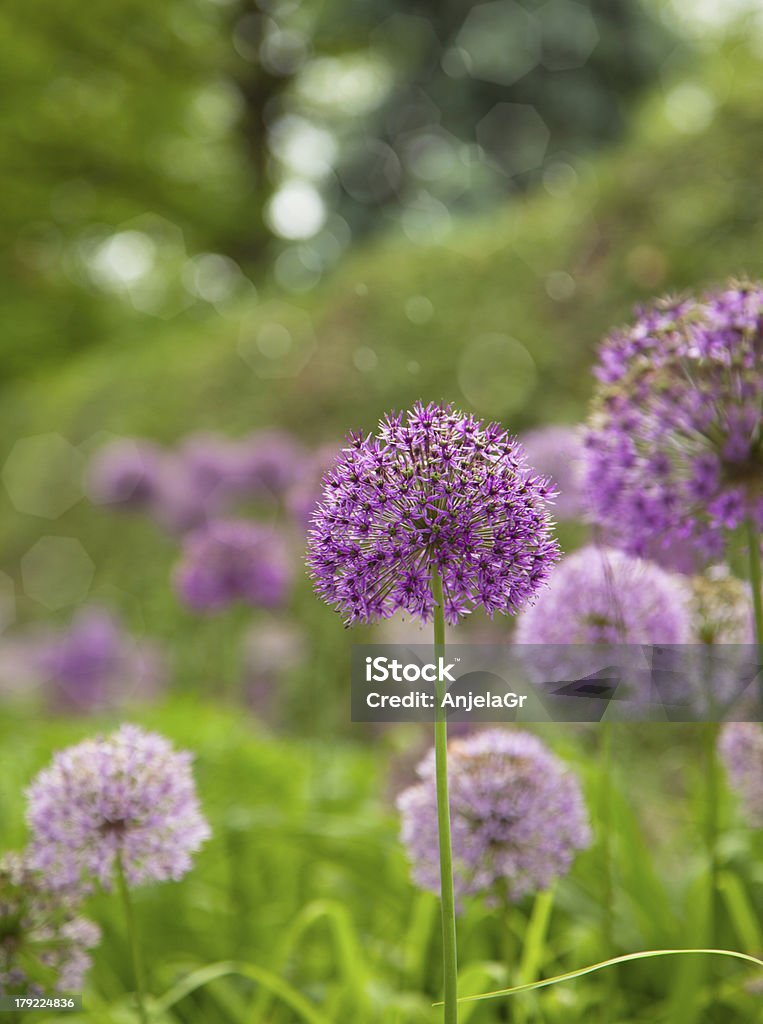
(304, 883)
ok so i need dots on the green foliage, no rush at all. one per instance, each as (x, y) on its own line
(300, 907)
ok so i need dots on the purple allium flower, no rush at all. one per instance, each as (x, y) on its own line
(214, 465)
(233, 560)
(741, 748)
(557, 452)
(434, 489)
(517, 814)
(270, 462)
(125, 472)
(95, 664)
(601, 596)
(44, 942)
(129, 795)
(674, 448)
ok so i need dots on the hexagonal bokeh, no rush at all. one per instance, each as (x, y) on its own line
(277, 341)
(7, 602)
(497, 374)
(43, 475)
(499, 42)
(514, 137)
(570, 34)
(57, 572)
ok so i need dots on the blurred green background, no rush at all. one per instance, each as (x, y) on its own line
(228, 216)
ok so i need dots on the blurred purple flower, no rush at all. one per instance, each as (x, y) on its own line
(517, 813)
(233, 560)
(303, 497)
(95, 664)
(438, 489)
(741, 748)
(270, 462)
(556, 452)
(44, 942)
(601, 596)
(125, 472)
(674, 448)
(128, 796)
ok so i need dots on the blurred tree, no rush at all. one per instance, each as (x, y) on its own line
(149, 152)
(415, 111)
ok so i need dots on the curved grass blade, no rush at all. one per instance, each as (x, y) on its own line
(641, 955)
(280, 988)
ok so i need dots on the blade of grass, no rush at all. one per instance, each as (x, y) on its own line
(206, 975)
(580, 972)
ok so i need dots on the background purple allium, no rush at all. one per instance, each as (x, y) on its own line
(674, 448)
(128, 794)
(270, 462)
(434, 488)
(95, 664)
(741, 748)
(125, 472)
(233, 560)
(557, 452)
(517, 812)
(44, 942)
(601, 596)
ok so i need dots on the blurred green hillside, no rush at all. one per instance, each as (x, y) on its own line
(501, 316)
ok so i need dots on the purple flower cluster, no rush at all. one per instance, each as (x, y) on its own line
(517, 813)
(741, 748)
(203, 478)
(128, 796)
(95, 664)
(233, 560)
(434, 490)
(44, 942)
(674, 448)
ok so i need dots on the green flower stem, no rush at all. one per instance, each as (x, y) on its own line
(132, 933)
(449, 959)
(710, 736)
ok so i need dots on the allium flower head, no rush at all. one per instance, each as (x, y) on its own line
(125, 472)
(674, 448)
(233, 560)
(601, 596)
(270, 462)
(435, 489)
(95, 664)
(557, 451)
(44, 942)
(517, 816)
(741, 748)
(129, 795)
